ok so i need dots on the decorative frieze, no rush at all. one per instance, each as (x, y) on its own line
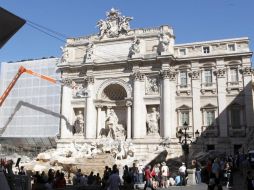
(221, 73)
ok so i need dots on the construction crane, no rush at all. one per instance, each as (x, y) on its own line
(16, 77)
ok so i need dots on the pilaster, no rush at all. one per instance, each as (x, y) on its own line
(195, 88)
(138, 109)
(222, 103)
(66, 128)
(128, 116)
(248, 98)
(90, 131)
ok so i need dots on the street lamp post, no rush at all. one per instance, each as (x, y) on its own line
(184, 142)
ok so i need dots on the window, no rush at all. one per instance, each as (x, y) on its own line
(183, 79)
(184, 117)
(210, 117)
(231, 47)
(234, 75)
(206, 50)
(182, 52)
(235, 117)
(208, 77)
(210, 147)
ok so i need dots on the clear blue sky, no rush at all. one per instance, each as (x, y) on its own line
(192, 20)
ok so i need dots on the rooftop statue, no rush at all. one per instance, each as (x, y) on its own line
(114, 25)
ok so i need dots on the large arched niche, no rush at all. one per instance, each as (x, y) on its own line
(114, 89)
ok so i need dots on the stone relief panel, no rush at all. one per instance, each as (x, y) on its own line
(79, 90)
(114, 25)
(152, 85)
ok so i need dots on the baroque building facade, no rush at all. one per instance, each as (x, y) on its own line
(139, 86)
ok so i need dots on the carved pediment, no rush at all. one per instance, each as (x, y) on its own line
(209, 106)
(183, 107)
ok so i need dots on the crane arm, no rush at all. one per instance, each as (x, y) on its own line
(16, 77)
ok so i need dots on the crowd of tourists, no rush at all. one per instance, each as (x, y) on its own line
(216, 172)
(219, 172)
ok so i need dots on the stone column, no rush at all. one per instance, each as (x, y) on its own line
(90, 110)
(248, 101)
(165, 129)
(98, 120)
(195, 85)
(172, 81)
(138, 127)
(66, 111)
(222, 103)
(128, 104)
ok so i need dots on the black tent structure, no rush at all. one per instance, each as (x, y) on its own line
(9, 25)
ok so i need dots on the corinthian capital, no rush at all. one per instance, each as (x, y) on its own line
(247, 71)
(221, 73)
(195, 75)
(68, 82)
(168, 74)
(90, 79)
(138, 76)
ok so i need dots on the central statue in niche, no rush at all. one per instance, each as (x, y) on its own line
(113, 129)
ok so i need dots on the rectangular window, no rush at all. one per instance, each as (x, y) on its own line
(234, 74)
(185, 117)
(210, 117)
(182, 52)
(208, 77)
(206, 50)
(183, 79)
(235, 118)
(231, 47)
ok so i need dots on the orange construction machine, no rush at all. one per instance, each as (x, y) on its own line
(19, 73)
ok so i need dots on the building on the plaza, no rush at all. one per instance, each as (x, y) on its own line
(153, 86)
(137, 85)
(30, 115)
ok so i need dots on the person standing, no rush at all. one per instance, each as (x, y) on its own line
(114, 180)
(182, 172)
(148, 178)
(197, 172)
(164, 175)
(140, 174)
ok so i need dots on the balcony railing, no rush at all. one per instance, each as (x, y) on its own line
(208, 86)
(237, 132)
(183, 88)
(234, 85)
